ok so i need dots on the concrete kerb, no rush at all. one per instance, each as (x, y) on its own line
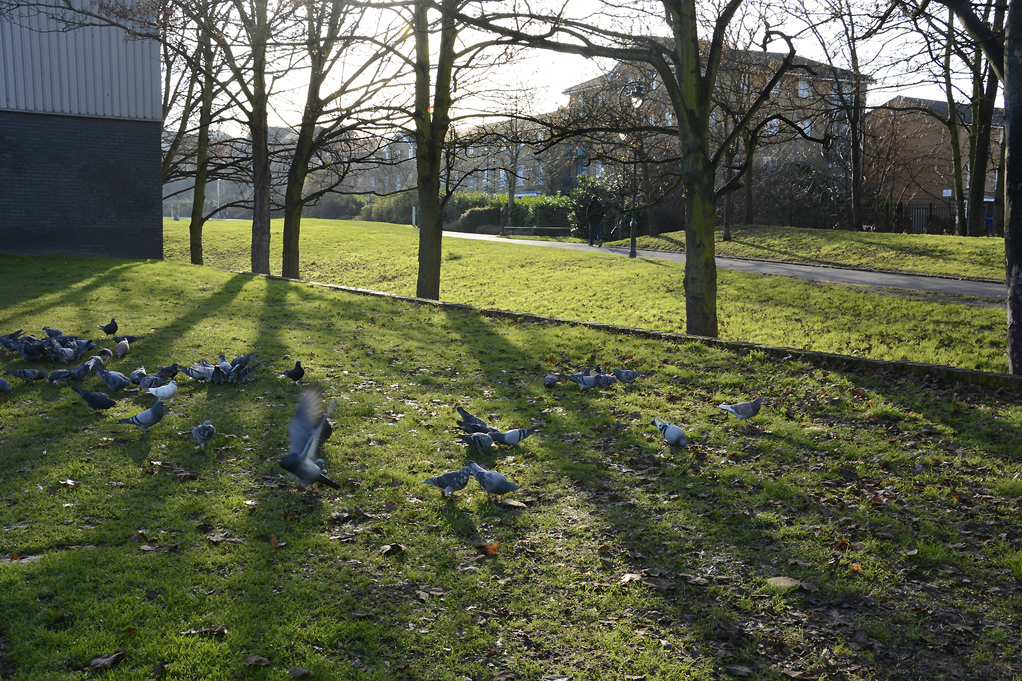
(987, 379)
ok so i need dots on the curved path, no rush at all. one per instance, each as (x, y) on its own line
(908, 282)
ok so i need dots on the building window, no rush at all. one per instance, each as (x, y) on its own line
(807, 126)
(805, 89)
(772, 127)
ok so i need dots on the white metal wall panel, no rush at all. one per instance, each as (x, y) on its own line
(89, 71)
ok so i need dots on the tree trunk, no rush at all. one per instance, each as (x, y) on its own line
(982, 117)
(653, 228)
(700, 262)
(1013, 182)
(259, 129)
(952, 122)
(431, 125)
(293, 193)
(749, 152)
(202, 152)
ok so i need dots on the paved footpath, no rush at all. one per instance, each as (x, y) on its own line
(910, 282)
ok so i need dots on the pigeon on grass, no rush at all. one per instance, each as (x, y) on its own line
(512, 437)
(550, 381)
(626, 375)
(481, 442)
(114, 380)
(493, 482)
(674, 435)
(295, 374)
(744, 410)
(470, 419)
(5, 387)
(122, 348)
(58, 376)
(203, 433)
(95, 400)
(164, 392)
(28, 375)
(451, 482)
(148, 418)
(585, 380)
(111, 328)
(306, 431)
(53, 333)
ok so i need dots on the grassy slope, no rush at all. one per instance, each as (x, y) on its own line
(640, 293)
(943, 256)
(893, 502)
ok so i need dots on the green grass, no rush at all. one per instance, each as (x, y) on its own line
(639, 293)
(883, 495)
(940, 256)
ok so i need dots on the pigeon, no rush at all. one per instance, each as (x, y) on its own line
(130, 339)
(243, 360)
(200, 371)
(122, 348)
(105, 354)
(481, 442)
(473, 427)
(449, 483)
(29, 375)
(512, 437)
(744, 410)
(491, 481)
(225, 366)
(203, 433)
(114, 380)
(674, 435)
(58, 376)
(111, 328)
(5, 387)
(469, 418)
(151, 381)
(164, 392)
(606, 379)
(80, 372)
(626, 375)
(584, 380)
(95, 400)
(295, 374)
(550, 381)
(168, 372)
(137, 375)
(148, 418)
(53, 333)
(306, 430)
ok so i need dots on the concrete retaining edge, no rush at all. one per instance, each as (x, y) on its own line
(986, 379)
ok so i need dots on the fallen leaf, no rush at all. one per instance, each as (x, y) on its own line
(489, 549)
(273, 541)
(738, 670)
(631, 577)
(256, 661)
(298, 673)
(106, 661)
(391, 549)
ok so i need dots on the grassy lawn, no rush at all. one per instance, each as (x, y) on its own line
(640, 293)
(942, 256)
(863, 526)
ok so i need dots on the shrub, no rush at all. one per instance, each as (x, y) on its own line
(579, 202)
(474, 218)
(396, 208)
(336, 207)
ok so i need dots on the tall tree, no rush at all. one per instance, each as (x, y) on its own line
(687, 65)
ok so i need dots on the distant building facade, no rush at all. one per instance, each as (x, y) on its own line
(80, 126)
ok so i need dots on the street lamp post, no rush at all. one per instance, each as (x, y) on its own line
(636, 99)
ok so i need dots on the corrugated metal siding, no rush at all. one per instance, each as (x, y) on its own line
(90, 71)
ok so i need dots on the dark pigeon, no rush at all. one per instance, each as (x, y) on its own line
(111, 328)
(95, 400)
(295, 374)
(29, 375)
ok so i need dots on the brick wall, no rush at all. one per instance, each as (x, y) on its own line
(82, 186)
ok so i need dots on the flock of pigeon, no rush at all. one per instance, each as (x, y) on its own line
(310, 427)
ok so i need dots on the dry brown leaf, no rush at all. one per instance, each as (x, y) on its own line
(256, 661)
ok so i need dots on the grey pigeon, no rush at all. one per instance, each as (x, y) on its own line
(5, 387)
(111, 328)
(243, 360)
(473, 427)
(94, 399)
(200, 371)
(58, 376)
(481, 442)
(122, 348)
(470, 419)
(137, 375)
(744, 410)
(203, 433)
(130, 339)
(148, 418)
(606, 379)
(225, 366)
(29, 375)
(52, 333)
(626, 375)
(491, 481)
(306, 430)
(168, 372)
(151, 381)
(550, 381)
(449, 483)
(674, 435)
(114, 380)
(512, 437)
(105, 354)
(295, 374)
(584, 380)
(80, 372)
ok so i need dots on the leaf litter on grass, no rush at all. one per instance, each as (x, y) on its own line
(883, 492)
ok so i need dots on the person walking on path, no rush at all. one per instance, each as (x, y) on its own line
(595, 213)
